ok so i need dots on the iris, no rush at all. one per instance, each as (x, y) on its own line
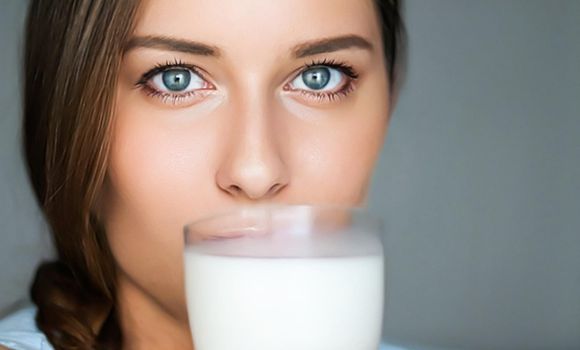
(176, 79)
(316, 78)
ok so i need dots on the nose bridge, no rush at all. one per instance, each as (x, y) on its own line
(254, 117)
(253, 166)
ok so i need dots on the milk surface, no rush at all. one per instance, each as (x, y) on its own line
(327, 303)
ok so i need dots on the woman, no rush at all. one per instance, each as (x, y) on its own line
(141, 115)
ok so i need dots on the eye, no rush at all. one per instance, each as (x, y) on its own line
(324, 81)
(175, 83)
(319, 78)
(177, 80)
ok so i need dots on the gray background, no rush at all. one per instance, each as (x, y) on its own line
(479, 180)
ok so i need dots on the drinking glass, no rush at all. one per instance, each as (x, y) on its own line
(285, 277)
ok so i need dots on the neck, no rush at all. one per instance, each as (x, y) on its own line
(145, 323)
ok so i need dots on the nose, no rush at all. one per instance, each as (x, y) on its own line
(253, 167)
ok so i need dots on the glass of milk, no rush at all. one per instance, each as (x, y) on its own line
(285, 277)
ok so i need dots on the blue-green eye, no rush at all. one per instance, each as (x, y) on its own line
(319, 78)
(177, 80)
(316, 78)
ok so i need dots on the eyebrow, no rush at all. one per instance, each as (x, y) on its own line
(325, 45)
(301, 50)
(172, 44)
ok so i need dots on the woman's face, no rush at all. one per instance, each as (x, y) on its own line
(227, 102)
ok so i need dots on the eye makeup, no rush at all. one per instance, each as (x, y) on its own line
(148, 81)
(175, 98)
(348, 77)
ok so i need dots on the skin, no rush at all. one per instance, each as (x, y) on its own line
(250, 138)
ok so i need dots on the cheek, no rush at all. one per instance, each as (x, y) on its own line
(152, 169)
(159, 162)
(341, 171)
(336, 165)
(335, 158)
(158, 171)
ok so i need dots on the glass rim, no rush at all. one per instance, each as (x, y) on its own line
(362, 211)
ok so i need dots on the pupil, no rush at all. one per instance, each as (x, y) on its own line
(176, 79)
(316, 78)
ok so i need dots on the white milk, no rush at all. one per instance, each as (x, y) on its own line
(329, 303)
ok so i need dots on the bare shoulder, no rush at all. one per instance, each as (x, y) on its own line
(2, 347)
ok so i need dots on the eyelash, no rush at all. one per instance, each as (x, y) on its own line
(345, 90)
(176, 98)
(171, 98)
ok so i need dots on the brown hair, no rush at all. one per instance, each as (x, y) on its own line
(394, 38)
(72, 57)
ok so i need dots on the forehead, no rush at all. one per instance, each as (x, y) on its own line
(257, 28)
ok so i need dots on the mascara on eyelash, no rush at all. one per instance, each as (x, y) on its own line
(159, 68)
(330, 97)
(162, 67)
(343, 67)
(318, 96)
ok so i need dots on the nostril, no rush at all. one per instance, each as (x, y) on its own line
(235, 189)
(274, 189)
